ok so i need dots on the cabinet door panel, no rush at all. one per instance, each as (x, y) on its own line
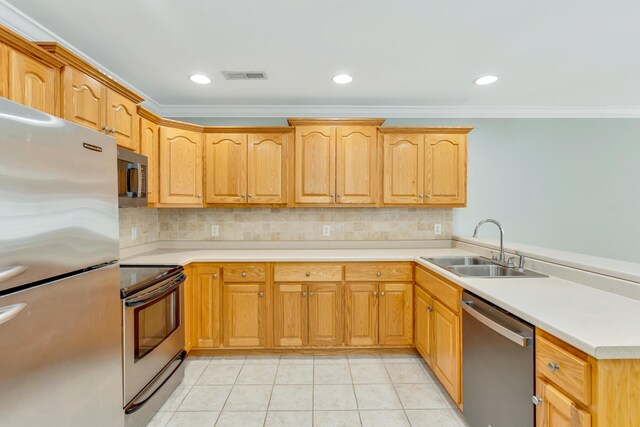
(356, 164)
(446, 169)
(315, 153)
(446, 344)
(180, 167)
(558, 410)
(361, 313)
(122, 120)
(290, 314)
(32, 83)
(244, 315)
(326, 321)
(403, 169)
(424, 325)
(149, 146)
(206, 306)
(84, 99)
(266, 170)
(226, 168)
(396, 314)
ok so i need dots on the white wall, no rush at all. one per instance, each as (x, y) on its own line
(570, 184)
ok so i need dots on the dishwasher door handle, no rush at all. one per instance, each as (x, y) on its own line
(492, 324)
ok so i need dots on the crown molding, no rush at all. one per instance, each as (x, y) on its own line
(402, 112)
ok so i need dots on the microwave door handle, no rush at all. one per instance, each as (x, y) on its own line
(132, 168)
(135, 302)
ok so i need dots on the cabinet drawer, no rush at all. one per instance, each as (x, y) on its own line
(565, 369)
(383, 272)
(244, 273)
(307, 273)
(449, 294)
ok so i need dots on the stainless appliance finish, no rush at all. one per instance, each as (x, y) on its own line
(153, 328)
(58, 211)
(60, 333)
(132, 179)
(61, 354)
(497, 364)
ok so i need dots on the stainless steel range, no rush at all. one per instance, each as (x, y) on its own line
(153, 332)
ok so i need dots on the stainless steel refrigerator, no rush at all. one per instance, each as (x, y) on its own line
(60, 312)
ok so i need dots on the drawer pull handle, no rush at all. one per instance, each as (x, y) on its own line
(378, 274)
(536, 400)
(244, 274)
(553, 366)
(307, 274)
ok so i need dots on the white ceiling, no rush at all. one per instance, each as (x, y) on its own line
(410, 53)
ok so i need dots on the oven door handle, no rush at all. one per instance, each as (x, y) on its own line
(134, 406)
(492, 324)
(135, 302)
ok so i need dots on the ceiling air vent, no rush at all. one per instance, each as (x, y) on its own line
(244, 75)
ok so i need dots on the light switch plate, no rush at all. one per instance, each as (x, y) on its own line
(215, 230)
(437, 229)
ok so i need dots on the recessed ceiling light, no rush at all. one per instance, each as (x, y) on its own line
(485, 80)
(342, 79)
(200, 79)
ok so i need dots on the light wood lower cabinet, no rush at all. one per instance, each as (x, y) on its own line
(205, 328)
(423, 316)
(244, 315)
(290, 318)
(361, 310)
(396, 314)
(326, 319)
(557, 410)
(447, 349)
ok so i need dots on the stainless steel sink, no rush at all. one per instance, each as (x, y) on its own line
(470, 266)
(446, 261)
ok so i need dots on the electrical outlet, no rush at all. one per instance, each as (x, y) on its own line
(134, 233)
(437, 229)
(214, 230)
(326, 230)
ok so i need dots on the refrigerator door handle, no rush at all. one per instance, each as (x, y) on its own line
(11, 272)
(9, 312)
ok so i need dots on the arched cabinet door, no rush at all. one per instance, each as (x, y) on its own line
(226, 168)
(266, 170)
(403, 169)
(180, 167)
(149, 138)
(315, 154)
(445, 169)
(84, 99)
(356, 165)
(122, 120)
(32, 83)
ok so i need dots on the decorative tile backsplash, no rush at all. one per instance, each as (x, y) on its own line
(264, 224)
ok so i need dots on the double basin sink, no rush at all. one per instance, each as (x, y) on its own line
(475, 266)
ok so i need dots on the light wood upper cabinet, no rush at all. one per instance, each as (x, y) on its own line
(326, 321)
(84, 100)
(361, 312)
(266, 170)
(180, 167)
(446, 343)
(226, 162)
(446, 169)
(32, 82)
(290, 314)
(403, 169)
(244, 315)
(205, 328)
(424, 325)
(122, 120)
(557, 410)
(315, 162)
(149, 146)
(396, 313)
(356, 164)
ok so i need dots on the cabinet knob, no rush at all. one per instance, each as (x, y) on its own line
(260, 294)
(536, 400)
(244, 274)
(378, 274)
(199, 196)
(338, 195)
(382, 293)
(249, 195)
(215, 276)
(375, 294)
(420, 195)
(304, 294)
(428, 196)
(242, 196)
(104, 128)
(310, 294)
(307, 274)
(112, 130)
(330, 195)
(553, 366)
(429, 308)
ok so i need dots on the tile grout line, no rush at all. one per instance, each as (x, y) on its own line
(393, 384)
(353, 386)
(273, 386)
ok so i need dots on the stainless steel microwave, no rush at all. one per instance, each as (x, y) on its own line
(132, 179)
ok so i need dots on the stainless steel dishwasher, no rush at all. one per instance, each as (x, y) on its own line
(497, 364)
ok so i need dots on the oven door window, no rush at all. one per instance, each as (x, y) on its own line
(155, 322)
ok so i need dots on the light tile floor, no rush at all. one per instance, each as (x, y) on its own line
(305, 391)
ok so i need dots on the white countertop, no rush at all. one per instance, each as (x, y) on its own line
(600, 323)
